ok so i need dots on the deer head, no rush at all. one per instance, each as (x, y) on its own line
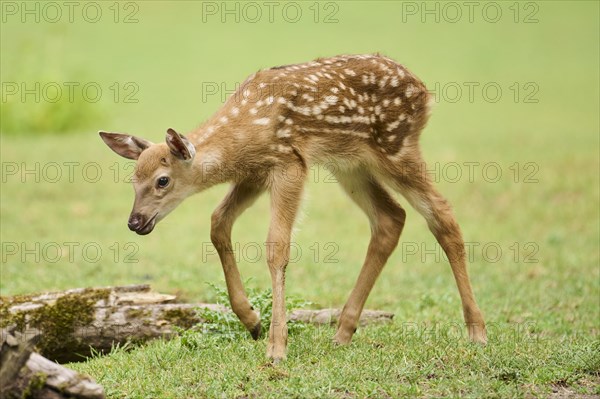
(163, 175)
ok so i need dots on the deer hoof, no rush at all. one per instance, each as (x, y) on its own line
(478, 334)
(277, 360)
(341, 338)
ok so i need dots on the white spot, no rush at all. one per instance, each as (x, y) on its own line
(383, 81)
(377, 109)
(392, 125)
(342, 109)
(235, 111)
(308, 97)
(331, 100)
(365, 79)
(336, 131)
(334, 89)
(288, 121)
(223, 119)
(206, 134)
(281, 100)
(301, 110)
(372, 78)
(253, 111)
(383, 67)
(397, 101)
(262, 121)
(410, 89)
(285, 149)
(361, 119)
(349, 103)
(281, 118)
(282, 133)
(316, 110)
(270, 100)
(394, 81)
(386, 102)
(391, 138)
(262, 85)
(349, 72)
(361, 110)
(244, 102)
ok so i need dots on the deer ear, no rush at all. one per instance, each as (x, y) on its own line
(180, 146)
(125, 145)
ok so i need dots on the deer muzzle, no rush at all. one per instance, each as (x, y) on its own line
(141, 224)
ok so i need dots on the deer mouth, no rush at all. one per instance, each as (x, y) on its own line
(147, 227)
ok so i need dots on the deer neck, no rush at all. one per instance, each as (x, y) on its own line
(213, 162)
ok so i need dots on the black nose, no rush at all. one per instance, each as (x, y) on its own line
(135, 222)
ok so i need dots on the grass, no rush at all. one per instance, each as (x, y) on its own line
(399, 360)
(540, 296)
(385, 361)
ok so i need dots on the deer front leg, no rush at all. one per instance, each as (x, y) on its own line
(286, 191)
(239, 198)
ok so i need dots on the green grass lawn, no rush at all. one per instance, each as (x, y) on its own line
(533, 231)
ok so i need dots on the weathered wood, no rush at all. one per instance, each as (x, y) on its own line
(74, 322)
(27, 374)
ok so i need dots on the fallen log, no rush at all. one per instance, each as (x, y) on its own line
(24, 373)
(76, 322)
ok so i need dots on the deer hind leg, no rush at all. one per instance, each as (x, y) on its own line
(441, 221)
(286, 191)
(387, 220)
(238, 199)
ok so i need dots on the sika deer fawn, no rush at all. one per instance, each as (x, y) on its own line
(363, 113)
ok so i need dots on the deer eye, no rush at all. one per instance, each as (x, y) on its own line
(162, 182)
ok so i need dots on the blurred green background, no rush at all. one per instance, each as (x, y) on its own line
(155, 64)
